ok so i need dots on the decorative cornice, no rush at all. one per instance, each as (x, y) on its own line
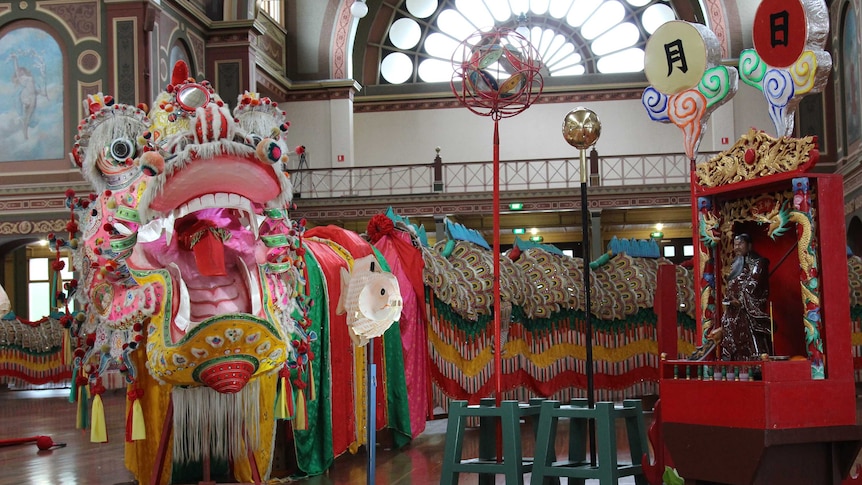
(31, 205)
(361, 106)
(322, 92)
(36, 201)
(32, 227)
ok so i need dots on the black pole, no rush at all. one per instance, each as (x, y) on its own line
(371, 417)
(585, 225)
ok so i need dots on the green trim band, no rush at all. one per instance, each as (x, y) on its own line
(276, 241)
(276, 268)
(125, 243)
(274, 213)
(128, 214)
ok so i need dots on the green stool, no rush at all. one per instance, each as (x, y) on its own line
(577, 468)
(513, 465)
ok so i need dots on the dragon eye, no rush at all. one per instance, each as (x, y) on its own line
(121, 149)
(254, 139)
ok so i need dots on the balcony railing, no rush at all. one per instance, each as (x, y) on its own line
(515, 175)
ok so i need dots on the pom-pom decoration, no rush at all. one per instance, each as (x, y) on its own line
(268, 151)
(380, 225)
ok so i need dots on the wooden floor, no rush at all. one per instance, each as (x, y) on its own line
(49, 412)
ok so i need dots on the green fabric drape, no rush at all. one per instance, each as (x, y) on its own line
(314, 453)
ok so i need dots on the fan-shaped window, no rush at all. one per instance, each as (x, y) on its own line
(573, 37)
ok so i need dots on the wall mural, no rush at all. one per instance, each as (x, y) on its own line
(31, 96)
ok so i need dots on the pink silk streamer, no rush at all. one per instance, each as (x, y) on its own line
(405, 262)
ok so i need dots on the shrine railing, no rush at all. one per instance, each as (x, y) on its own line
(515, 175)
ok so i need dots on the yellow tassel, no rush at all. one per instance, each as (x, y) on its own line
(301, 421)
(281, 396)
(98, 433)
(139, 430)
(312, 389)
(67, 348)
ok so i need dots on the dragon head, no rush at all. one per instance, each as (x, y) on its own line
(186, 246)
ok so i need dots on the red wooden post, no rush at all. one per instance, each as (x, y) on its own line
(666, 307)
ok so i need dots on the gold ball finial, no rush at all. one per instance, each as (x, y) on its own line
(581, 128)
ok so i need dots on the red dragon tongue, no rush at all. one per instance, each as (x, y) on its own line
(205, 243)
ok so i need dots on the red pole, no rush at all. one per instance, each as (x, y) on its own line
(498, 344)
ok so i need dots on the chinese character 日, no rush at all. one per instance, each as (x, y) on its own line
(778, 28)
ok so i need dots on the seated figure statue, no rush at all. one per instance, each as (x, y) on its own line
(745, 319)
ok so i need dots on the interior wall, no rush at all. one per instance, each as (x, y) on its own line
(410, 137)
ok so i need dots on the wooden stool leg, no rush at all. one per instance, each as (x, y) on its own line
(454, 443)
(636, 432)
(488, 440)
(606, 443)
(512, 455)
(546, 434)
(578, 434)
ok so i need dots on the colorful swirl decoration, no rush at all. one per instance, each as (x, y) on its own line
(686, 84)
(785, 65)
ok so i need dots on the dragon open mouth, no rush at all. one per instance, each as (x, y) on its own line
(208, 242)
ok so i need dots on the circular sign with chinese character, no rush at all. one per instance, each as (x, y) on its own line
(676, 57)
(780, 31)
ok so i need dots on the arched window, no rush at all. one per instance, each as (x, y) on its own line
(573, 37)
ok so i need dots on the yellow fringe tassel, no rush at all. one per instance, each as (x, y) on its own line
(281, 400)
(98, 433)
(301, 421)
(67, 348)
(139, 430)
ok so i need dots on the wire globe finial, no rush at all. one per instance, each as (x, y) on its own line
(496, 73)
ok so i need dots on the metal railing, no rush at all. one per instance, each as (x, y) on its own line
(515, 175)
